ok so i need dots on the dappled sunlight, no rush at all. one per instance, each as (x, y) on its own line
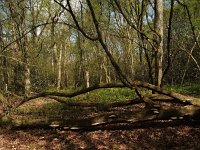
(183, 137)
(99, 74)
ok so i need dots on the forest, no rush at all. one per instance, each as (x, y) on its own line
(110, 69)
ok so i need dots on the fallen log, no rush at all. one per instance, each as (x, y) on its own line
(187, 113)
(173, 95)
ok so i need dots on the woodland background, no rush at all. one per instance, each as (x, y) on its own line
(125, 71)
(42, 47)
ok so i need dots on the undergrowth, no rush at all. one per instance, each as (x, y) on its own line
(188, 89)
(53, 108)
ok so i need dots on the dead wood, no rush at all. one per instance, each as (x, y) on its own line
(172, 96)
(150, 113)
(99, 105)
(168, 113)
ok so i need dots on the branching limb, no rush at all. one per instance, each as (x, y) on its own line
(191, 24)
(113, 118)
(131, 24)
(75, 20)
(173, 95)
(98, 105)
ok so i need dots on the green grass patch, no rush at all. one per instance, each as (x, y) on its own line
(106, 95)
(188, 89)
(101, 95)
(58, 109)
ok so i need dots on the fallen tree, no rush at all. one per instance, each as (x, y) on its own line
(152, 110)
(109, 117)
(155, 109)
(172, 95)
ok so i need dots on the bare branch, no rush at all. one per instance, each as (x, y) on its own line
(75, 20)
(131, 24)
(169, 40)
(118, 70)
(195, 61)
(190, 20)
(101, 105)
(24, 34)
(174, 95)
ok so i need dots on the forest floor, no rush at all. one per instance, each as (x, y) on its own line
(181, 137)
(143, 135)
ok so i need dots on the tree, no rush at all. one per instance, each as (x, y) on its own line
(97, 44)
(181, 32)
(24, 49)
(4, 63)
(158, 45)
(15, 12)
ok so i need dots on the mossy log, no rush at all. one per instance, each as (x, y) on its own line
(164, 112)
(190, 110)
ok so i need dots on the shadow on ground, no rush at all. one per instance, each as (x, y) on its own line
(161, 135)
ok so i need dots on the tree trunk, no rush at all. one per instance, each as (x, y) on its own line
(3, 60)
(64, 75)
(59, 72)
(158, 45)
(107, 74)
(56, 58)
(27, 80)
(87, 79)
(131, 55)
(17, 71)
(21, 69)
(80, 62)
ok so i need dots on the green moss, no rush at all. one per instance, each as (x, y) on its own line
(6, 122)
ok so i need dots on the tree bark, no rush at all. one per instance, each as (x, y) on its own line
(21, 69)
(59, 72)
(158, 44)
(179, 97)
(169, 53)
(17, 68)
(110, 118)
(27, 80)
(4, 63)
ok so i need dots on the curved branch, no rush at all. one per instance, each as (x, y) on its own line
(75, 20)
(191, 56)
(100, 105)
(73, 94)
(132, 25)
(190, 20)
(118, 70)
(174, 95)
(24, 34)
